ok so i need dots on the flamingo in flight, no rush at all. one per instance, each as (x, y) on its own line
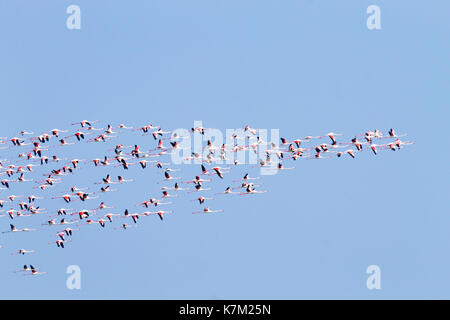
(208, 210)
(227, 191)
(22, 252)
(198, 187)
(41, 148)
(33, 270)
(169, 177)
(251, 190)
(14, 229)
(83, 123)
(160, 213)
(201, 200)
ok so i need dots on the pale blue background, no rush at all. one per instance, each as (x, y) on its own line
(306, 67)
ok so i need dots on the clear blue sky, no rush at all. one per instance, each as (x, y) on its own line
(305, 67)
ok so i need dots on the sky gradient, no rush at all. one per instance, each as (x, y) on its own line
(304, 67)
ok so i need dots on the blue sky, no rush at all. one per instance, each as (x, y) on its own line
(305, 67)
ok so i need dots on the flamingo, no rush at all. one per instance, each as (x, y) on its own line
(67, 198)
(350, 152)
(63, 142)
(160, 133)
(103, 206)
(107, 179)
(107, 189)
(120, 179)
(147, 127)
(14, 229)
(218, 172)
(134, 216)
(91, 128)
(61, 235)
(123, 126)
(201, 200)
(37, 210)
(357, 144)
(175, 188)
(137, 153)
(14, 197)
(32, 198)
(89, 221)
(5, 183)
(244, 185)
(159, 165)
(109, 129)
(34, 271)
(280, 167)
(125, 164)
(110, 216)
(227, 191)
(246, 177)
(160, 213)
(63, 211)
(22, 178)
(208, 210)
(156, 203)
(169, 177)
(332, 136)
(146, 203)
(11, 213)
(62, 222)
(43, 138)
(22, 252)
(60, 243)
(68, 231)
(83, 123)
(374, 148)
(167, 195)
(398, 143)
(200, 130)
(143, 163)
(391, 133)
(25, 268)
(76, 189)
(85, 196)
(248, 129)
(126, 226)
(84, 213)
(23, 206)
(56, 132)
(251, 190)
(198, 187)
(198, 180)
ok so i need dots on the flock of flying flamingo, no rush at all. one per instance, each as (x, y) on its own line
(35, 162)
